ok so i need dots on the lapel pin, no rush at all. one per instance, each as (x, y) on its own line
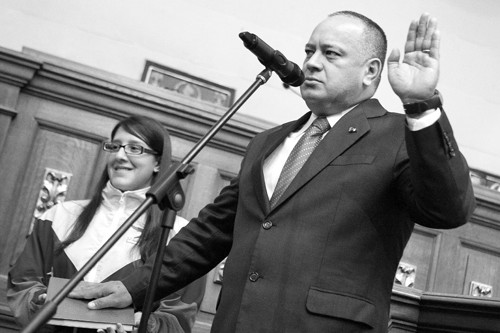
(353, 129)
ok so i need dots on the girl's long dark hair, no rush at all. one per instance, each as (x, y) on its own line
(155, 136)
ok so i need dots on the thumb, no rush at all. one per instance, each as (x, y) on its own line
(111, 299)
(100, 303)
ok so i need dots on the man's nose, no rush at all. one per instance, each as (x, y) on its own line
(314, 62)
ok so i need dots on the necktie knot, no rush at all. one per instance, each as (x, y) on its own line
(319, 126)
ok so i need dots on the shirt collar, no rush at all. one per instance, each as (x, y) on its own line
(332, 119)
(113, 197)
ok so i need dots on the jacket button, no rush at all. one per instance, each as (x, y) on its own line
(267, 225)
(254, 276)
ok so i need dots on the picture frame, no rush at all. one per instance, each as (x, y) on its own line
(186, 84)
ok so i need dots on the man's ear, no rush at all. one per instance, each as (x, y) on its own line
(373, 70)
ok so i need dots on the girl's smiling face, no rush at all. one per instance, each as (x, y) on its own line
(131, 172)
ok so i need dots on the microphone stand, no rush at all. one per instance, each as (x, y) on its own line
(167, 194)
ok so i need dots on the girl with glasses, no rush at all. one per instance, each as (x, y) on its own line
(68, 234)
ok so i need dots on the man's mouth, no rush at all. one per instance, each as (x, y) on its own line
(311, 79)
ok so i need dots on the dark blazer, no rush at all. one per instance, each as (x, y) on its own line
(324, 259)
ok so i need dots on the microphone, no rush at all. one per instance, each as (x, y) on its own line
(273, 59)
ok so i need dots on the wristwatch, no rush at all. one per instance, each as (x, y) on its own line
(434, 102)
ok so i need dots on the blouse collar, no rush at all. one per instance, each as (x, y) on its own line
(114, 198)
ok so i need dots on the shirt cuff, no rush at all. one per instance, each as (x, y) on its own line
(423, 120)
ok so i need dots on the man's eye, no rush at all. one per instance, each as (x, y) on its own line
(330, 53)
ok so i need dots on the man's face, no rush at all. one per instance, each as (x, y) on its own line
(334, 66)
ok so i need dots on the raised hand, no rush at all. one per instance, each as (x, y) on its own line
(416, 77)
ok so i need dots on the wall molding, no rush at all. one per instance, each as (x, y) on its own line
(107, 93)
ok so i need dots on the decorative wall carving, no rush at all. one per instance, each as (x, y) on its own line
(480, 289)
(53, 191)
(405, 275)
(486, 180)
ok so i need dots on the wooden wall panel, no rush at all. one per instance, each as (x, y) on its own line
(61, 152)
(13, 161)
(422, 251)
(41, 140)
(462, 251)
(482, 267)
(45, 135)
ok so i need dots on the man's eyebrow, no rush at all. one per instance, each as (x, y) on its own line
(322, 45)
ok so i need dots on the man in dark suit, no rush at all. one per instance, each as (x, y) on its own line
(319, 253)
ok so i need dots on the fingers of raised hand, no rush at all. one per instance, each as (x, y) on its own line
(422, 41)
(411, 37)
(423, 36)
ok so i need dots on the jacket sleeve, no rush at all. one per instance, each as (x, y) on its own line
(28, 277)
(436, 181)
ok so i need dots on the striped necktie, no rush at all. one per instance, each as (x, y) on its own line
(299, 155)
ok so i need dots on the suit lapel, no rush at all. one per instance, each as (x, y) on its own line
(346, 132)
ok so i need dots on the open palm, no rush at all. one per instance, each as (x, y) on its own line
(416, 77)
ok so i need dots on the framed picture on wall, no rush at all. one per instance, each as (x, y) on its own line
(186, 84)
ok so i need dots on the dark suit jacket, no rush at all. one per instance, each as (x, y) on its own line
(324, 259)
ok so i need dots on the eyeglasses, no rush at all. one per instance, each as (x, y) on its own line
(130, 149)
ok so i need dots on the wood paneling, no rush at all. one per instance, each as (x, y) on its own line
(421, 251)
(482, 264)
(57, 151)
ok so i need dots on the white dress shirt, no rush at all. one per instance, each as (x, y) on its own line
(275, 162)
